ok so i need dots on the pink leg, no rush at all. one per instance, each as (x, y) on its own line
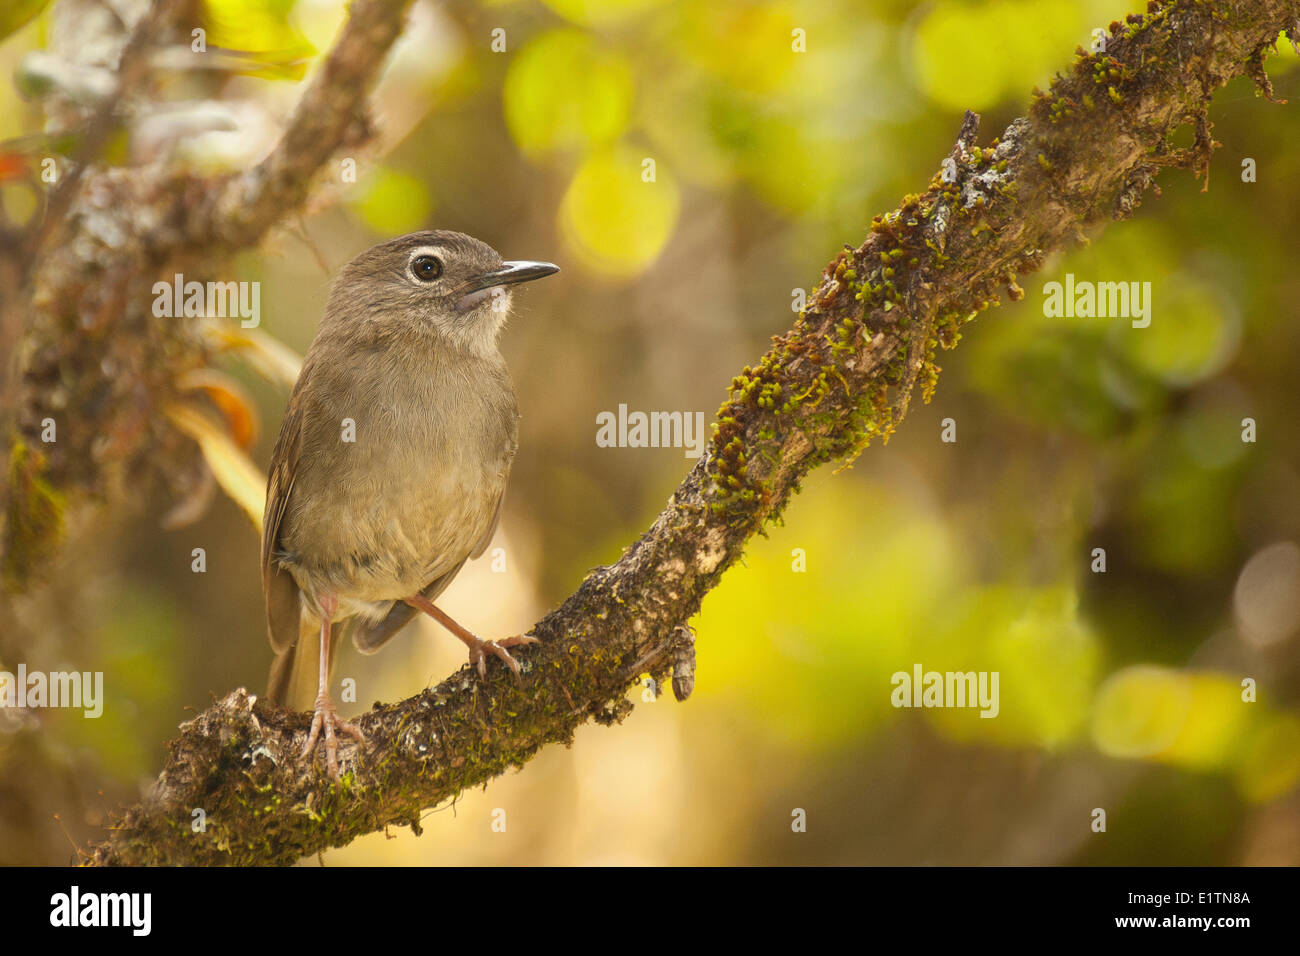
(325, 717)
(478, 648)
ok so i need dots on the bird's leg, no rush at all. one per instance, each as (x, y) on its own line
(325, 717)
(478, 648)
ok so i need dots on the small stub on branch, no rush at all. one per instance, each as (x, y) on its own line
(683, 662)
(970, 127)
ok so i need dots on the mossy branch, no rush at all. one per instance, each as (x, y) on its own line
(841, 377)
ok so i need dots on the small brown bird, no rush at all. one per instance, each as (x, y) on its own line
(391, 464)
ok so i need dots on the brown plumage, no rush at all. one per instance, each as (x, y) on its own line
(392, 460)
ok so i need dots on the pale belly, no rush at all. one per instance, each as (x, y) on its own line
(379, 530)
(378, 512)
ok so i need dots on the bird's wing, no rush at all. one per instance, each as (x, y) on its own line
(369, 638)
(484, 541)
(283, 607)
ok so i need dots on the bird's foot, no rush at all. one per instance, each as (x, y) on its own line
(479, 650)
(328, 720)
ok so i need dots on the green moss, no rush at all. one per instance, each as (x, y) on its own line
(34, 520)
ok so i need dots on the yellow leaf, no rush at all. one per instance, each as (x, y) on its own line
(1141, 711)
(619, 212)
(257, 38)
(268, 356)
(229, 398)
(564, 90)
(394, 202)
(17, 14)
(235, 472)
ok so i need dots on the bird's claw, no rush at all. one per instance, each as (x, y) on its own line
(328, 720)
(479, 651)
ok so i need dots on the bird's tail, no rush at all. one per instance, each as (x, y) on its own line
(295, 673)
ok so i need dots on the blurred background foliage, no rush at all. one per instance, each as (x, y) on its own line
(689, 167)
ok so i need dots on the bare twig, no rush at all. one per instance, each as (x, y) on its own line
(330, 115)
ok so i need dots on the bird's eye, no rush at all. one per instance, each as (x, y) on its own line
(426, 268)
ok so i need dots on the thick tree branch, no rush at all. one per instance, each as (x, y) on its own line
(839, 378)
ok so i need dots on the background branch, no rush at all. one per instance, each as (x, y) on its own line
(839, 378)
(80, 346)
(91, 342)
(331, 115)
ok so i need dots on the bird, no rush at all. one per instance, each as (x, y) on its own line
(392, 459)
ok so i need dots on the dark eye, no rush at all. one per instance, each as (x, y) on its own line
(426, 268)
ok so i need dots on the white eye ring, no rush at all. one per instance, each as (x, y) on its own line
(425, 265)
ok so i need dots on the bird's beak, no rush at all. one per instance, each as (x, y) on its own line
(509, 274)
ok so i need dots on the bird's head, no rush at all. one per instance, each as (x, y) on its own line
(435, 282)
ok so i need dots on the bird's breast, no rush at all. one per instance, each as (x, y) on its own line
(398, 481)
